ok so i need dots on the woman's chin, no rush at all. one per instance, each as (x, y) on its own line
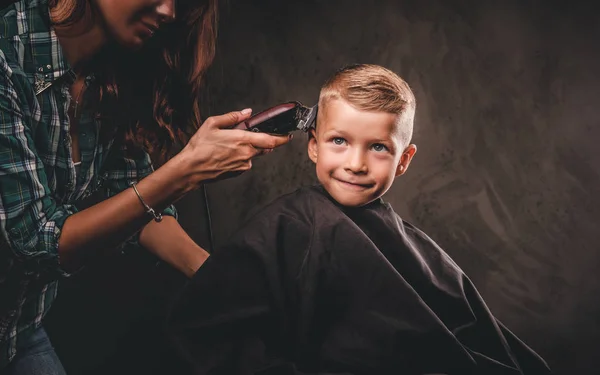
(133, 41)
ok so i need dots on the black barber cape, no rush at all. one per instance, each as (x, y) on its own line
(309, 287)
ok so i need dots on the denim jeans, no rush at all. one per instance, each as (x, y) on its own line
(35, 356)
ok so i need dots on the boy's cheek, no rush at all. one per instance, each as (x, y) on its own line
(328, 160)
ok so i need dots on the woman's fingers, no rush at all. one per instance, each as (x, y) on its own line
(265, 141)
(227, 120)
(265, 151)
(226, 152)
(257, 140)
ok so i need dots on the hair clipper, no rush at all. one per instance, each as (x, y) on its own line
(282, 119)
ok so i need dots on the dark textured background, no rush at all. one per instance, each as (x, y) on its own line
(505, 178)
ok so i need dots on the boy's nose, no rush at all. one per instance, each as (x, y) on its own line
(166, 10)
(356, 162)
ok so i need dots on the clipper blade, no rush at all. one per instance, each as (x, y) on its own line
(309, 119)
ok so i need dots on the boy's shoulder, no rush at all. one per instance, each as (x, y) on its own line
(309, 210)
(302, 203)
(284, 228)
(407, 236)
(312, 202)
(294, 211)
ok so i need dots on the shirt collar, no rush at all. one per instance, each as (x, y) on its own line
(47, 60)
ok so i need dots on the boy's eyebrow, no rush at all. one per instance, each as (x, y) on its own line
(329, 132)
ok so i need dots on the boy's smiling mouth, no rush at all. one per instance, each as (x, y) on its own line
(353, 185)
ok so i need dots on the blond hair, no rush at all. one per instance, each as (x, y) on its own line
(369, 87)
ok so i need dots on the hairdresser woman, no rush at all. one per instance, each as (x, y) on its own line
(88, 89)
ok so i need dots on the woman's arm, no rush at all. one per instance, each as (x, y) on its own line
(46, 236)
(168, 241)
(112, 221)
(212, 151)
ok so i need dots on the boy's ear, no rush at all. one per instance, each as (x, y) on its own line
(312, 145)
(405, 159)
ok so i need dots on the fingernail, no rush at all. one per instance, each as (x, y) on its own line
(290, 136)
(246, 111)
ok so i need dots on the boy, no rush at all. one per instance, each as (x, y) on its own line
(329, 279)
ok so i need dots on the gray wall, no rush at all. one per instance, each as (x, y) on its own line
(505, 176)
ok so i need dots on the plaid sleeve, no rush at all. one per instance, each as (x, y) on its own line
(126, 167)
(30, 218)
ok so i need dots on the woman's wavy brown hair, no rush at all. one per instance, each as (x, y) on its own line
(150, 97)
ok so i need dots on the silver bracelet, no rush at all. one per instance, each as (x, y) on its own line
(149, 210)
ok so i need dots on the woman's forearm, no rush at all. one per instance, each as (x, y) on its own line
(213, 151)
(110, 222)
(171, 243)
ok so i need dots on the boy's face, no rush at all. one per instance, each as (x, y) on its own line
(357, 153)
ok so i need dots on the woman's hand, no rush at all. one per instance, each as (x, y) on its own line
(217, 151)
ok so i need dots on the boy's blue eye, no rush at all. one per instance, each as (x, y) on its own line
(338, 141)
(379, 147)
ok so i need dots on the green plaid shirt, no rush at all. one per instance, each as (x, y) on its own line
(38, 180)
